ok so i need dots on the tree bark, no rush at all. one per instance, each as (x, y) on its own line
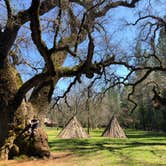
(14, 136)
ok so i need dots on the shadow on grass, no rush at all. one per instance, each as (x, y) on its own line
(91, 146)
(78, 146)
(144, 134)
(139, 147)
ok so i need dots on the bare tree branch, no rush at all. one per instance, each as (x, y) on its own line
(27, 86)
(9, 9)
(114, 5)
(160, 20)
(36, 35)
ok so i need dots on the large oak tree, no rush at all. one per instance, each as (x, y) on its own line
(76, 22)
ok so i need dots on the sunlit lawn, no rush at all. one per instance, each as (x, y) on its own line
(141, 148)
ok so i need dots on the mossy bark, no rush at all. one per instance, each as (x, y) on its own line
(15, 139)
(14, 136)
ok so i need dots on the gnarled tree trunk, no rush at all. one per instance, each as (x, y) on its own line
(14, 136)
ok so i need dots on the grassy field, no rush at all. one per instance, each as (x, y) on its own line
(141, 148)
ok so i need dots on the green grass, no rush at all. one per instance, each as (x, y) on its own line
(141, 148)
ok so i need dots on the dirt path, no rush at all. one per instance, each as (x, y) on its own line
(58, 159)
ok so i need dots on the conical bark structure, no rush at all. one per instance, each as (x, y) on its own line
(73, 129)
(113, 129)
